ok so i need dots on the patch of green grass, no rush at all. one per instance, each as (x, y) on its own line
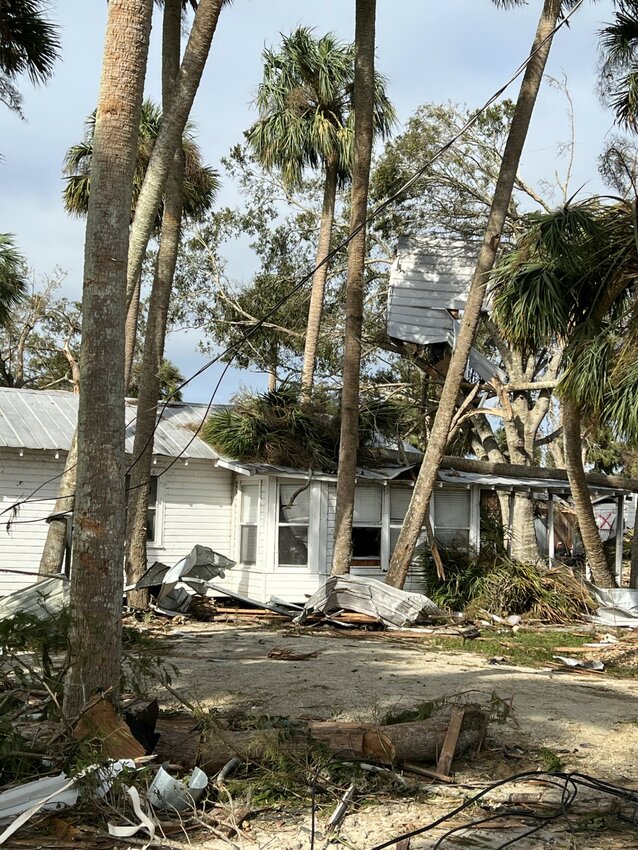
(550, 761)
(524, 648)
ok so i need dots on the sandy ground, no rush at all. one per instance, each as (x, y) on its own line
(591, 722)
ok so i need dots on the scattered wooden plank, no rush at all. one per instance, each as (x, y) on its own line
(451, 738)
(417, 769)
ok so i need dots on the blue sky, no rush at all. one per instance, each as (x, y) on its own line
(458, 50)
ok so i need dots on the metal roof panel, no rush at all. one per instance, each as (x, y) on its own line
(39, 419)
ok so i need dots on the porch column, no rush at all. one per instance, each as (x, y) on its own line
(620, 533)
(551, 541)
(510, 521)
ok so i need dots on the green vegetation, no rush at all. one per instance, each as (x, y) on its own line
(277, 428)
(494, 582)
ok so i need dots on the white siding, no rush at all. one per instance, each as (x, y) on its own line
(21, 544)
(194, 506)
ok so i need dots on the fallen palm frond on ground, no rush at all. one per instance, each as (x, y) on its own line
(501, 585)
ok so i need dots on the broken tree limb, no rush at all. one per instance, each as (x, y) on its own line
(395, 744)
(484, 467)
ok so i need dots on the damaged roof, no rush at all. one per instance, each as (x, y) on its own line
(45, 420)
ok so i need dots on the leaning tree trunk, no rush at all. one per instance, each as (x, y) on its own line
(319, 279)
(589, 534)
(55, 544)
(98, 536)
(130, 332)
(174, 120)
(363, 136)
(149, 383)
(435, 450)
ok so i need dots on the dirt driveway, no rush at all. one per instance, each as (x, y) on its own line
(590, 722)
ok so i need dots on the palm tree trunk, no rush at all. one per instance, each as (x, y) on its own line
(149, 383)
(319, 279)
(435, 450)
(98, 537)
(130, 332)
(169, 137)
(524, 546)
(363, 137)
(589, 534)
(55, 543)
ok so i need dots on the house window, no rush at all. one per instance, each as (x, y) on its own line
(249, 518)
(151, 513)
(294, 517)
(452, 519)
(152, 529)
(399, 502)
(366, 527)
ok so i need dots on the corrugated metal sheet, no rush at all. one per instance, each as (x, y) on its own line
(381, 473)
(35, 419)
(43, 599)
(511, 482)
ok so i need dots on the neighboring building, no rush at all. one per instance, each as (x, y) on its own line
(276, 523)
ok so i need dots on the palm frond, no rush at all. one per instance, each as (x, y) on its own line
(305, 106)
(30, 44)
(13, 276)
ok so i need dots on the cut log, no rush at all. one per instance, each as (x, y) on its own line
(420, 741)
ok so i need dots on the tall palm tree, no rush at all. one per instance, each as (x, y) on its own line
(530, 86)
(170, 133)
(573, 275)
(364, 108)
(305, 102)
(177, 204)
(200, 185)
(98, 536)
(29, 44)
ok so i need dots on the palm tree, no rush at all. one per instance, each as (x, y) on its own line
(29, 44)
(200, 185)
(530, 86)
(306, 120)
(178, 202)
(572, 275)
(13, 276)
(98, 536)
(170, 132)
(364, 107)
(618, 78)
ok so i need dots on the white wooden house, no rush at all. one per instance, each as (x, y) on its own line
(277, 524)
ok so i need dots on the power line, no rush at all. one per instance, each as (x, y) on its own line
(234, 349)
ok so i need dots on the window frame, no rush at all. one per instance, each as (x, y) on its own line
(450, 528)
(154, 510)
(241, 487)
(309, 525)
(371, 560)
